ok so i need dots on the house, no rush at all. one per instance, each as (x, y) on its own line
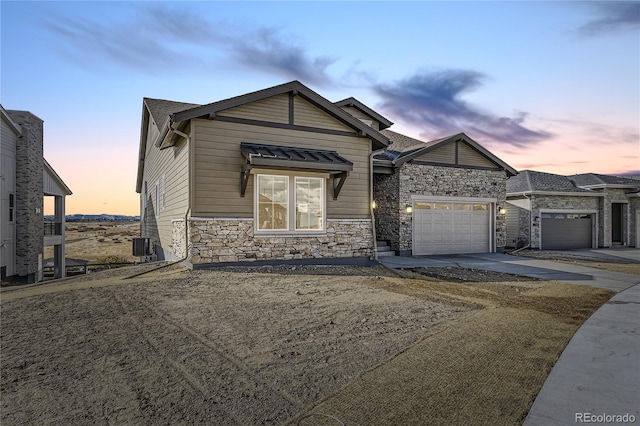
(440, 197)
(25, 178)
(549, 211)
(281, 173)
(285, 174)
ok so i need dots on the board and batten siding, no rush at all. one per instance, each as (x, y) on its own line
(355, 112)
(274, 109)
(173, 164)
(467, 156)
(217, 164)
(307, 114)
(456, 153)
(8, 141)
(445, 154)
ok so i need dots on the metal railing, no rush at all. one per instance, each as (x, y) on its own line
(52, 228)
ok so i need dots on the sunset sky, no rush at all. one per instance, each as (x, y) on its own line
(548, 86)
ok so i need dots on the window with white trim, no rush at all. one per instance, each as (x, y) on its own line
(277, 194)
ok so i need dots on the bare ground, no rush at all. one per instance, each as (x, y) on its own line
(94, 240)
(269, 346)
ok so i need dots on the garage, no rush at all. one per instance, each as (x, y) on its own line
(451, 227)
(566, 231)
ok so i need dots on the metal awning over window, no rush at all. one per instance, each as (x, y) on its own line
(285, 157)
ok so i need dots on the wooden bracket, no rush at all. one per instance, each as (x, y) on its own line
(244, 178)
(338, 181)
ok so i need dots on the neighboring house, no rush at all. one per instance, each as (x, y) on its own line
(25, 178)
(549, 211)
(285, 174)
(440, 197)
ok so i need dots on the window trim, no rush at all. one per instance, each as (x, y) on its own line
(291, 204)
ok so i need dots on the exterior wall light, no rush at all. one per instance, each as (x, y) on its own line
(409, 209)
(502, 210)
(373, 205)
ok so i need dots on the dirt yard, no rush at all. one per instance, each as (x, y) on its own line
(271, 346)
(93, 240)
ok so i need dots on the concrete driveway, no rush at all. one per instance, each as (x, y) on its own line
(597, 377)
(528, 267)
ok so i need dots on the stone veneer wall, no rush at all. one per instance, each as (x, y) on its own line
(418, 179)
(29, 197)
(386, 194)
(561, 203)
(233, 240)
(178, 238)
(612, 195)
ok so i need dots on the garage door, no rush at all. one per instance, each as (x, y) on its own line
(566, 231)
(448, 228)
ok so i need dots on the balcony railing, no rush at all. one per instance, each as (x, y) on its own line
(52, 228)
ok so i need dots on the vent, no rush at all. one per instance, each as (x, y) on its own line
(141, 247)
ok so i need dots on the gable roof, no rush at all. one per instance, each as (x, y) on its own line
(161, 109)
(529, 182)
(594, 180)
(209, 110)
(12, 124)
(404, 148)
(64, 189)
(354, 103)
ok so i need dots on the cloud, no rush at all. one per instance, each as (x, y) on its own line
(267, 49)
(433, 102)
(163, 40)
(613, 17)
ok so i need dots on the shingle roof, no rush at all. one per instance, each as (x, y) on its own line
(402, 145)
(160, 109)
(594, 179)
(532, 181)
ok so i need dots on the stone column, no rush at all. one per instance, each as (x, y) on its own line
(29, 197)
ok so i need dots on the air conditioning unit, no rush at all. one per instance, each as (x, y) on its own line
(142, 247)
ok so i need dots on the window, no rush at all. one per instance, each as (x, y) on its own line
(309, 202)
(273, 202)
(275, 195)
(11, 207)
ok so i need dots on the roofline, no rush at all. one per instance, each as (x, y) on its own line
(459, 136)
(15, 126)
(143, 144)
(577, 194)
(609, 185)
(292, 86)
(56, 177)
(353, 102)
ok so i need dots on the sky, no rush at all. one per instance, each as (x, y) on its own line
(544, 85)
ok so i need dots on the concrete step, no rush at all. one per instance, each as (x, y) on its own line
(383, 248)
(386, 253)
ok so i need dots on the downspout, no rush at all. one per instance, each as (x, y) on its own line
(530, 219)
(373, 218)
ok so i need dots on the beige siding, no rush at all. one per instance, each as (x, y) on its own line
(361, 116)
(467, 156)
(274, 109)
(172, 163)
(306, 114)
(443, 155)
(218, 161)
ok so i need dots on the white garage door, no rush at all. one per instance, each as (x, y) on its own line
(450, 227)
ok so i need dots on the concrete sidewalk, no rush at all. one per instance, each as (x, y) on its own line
(598, 374)
(599, 371)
